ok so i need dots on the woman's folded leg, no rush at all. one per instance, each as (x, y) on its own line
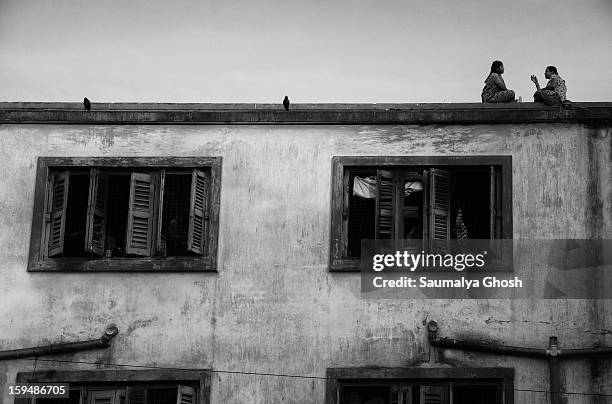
(502, 96)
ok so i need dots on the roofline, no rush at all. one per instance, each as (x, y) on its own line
(302, 114)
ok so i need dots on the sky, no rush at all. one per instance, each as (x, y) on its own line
(314, 51)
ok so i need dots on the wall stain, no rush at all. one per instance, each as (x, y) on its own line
(494, 320)
(139, 324)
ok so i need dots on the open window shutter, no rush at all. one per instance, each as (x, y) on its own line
(426, 210)
(433, 395)
(57, 214)
(384, 205)
(102, 397)
(495, 204)
(401, 395)
(160, 243)
(495, 210)
(95, 229)
(396, 396)
(186, 395)
(140, 215)
(343, 251)
(439, 209)
(121, 397)
(136, 395)
(197, 213)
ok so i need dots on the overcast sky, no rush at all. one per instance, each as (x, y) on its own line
(311, 50)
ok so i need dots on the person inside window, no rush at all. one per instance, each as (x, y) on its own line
(495, 90)
(555, 91)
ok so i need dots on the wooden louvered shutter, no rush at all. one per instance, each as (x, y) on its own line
(396, 395)
(495, 218)
(160, 243)
(198, 215)
(186, 395)
(343, 250)
(140, 215)
(401, 395)
(384, 205)
(495, 204)
(102, 397)
(136, 395)
(439, 209)
(121, 397)
(57, 212)
(95, 228)
(433, 395)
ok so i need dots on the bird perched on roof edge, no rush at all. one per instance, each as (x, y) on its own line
(286, 103)
(87, 104)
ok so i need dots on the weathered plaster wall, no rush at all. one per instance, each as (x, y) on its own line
(273, 306)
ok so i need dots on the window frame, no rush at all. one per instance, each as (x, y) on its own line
(97, 379)
(339, 195)
(338, 377)
(37, 262)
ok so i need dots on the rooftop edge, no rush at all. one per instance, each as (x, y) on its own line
(251, 113)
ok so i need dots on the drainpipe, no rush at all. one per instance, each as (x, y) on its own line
(553, 368)
(604, 351)
(553, 354)
(480, 346)
(54, 349)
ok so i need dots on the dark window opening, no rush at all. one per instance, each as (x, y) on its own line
(118, 394)
(175, 216)
(411, 206)
(122, 386)
(471, 191)
(161, 396)
(422, 392)
(476, 395)
(421, 202)
(74, 397)
(361, 219)
(116, 213)
(76, 213)
(366, 395)
(116, 219)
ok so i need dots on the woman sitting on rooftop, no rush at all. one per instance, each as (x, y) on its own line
(495, 89)
(555, 91)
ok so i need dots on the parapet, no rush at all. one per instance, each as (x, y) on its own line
(303, 114)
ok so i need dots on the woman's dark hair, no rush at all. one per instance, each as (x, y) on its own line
(495, 65)
(552, 69)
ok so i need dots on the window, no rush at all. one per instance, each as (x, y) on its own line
(420, 386)
(123, 387)
(424, 392)
(125, 213)
(434, 199)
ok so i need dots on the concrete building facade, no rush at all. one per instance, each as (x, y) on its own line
(266, 311)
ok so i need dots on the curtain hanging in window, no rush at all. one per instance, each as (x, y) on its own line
(364, 187)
